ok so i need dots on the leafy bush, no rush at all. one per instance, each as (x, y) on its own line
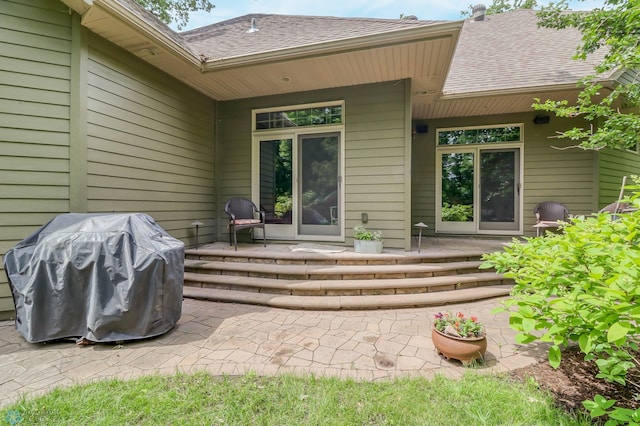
(581, 286)
(456, 212)
(284, 204)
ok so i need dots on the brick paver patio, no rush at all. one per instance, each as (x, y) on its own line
(234, 339)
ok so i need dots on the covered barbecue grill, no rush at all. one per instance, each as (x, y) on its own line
(102, 277)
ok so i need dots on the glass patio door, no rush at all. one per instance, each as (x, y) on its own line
(478, 190)
(299, 185)
(499, 189)
(276, 185)
(319, 184)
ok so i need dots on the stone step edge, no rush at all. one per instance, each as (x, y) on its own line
(348, 302)
(338, 258)
(307, 271)
(264, 285)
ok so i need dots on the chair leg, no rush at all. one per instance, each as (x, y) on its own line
(264, 237)
(235, 239)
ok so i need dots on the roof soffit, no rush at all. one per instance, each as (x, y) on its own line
(391, 55)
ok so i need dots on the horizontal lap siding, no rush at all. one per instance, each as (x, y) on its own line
(613, 165)
(375, 161)
(35, 70)
(150, 144)
(550, 174)
(374, 152)
(556, 171)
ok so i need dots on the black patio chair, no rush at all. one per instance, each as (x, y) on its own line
(243, 214)
(549, 214)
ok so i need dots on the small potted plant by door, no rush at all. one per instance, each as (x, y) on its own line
(367, 241)
(459, 337)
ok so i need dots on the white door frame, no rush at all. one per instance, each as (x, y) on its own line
(286, 231)
(473, 227)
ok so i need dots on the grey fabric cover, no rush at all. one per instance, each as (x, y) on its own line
(104, 277)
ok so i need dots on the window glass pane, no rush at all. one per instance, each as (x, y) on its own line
(262, 121)
(457, 187)
(479, 136)
(276, 120)
(290, 118)
(330, 114)
(319, 180)
(497, 186)
(276, 180)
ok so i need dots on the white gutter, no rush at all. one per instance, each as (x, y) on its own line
(517, 91)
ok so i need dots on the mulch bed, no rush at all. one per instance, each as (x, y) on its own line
(575, 381)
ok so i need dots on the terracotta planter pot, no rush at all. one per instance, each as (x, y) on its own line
(463, 349)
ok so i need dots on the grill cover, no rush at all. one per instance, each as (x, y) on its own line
(103, 277)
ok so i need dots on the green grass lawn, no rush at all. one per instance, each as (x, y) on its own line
(202, 399)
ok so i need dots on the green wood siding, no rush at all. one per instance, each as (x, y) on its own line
(150, 144)
(550, 174)
(86, 127)
(613, 164)
(375, 149)
(35, 70)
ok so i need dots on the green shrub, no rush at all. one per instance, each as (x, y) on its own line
(457, 212)
(581, 286)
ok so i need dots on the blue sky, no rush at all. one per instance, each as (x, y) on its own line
(423, 9)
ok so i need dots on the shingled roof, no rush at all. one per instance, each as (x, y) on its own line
(278, 32)
(509, 51)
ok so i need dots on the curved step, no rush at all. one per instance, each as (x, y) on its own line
(340, 258)
(348, 302)
(329, 272)
(344, 287)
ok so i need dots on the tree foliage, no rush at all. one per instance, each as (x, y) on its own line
(616, 28)
(169, 11)
(581, 286)
(501, 6)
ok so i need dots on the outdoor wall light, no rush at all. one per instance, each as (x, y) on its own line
(541, 119)
(422, 128)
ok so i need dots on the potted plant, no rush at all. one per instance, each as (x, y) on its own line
(366, 241)
(459, 337)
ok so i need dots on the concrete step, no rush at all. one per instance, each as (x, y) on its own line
(331, 272)
(348, 302)
(340, 258)
(344, 287)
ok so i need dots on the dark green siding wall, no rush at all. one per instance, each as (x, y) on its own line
(613, 165)
(376, 173)
(150, 144)
(35, 84)
(86, 127)
(550, 174)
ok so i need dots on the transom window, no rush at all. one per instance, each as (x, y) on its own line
(483, 135)
(317, 115)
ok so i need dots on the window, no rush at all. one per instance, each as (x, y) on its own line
(311, 116)
(478, 179)
(504, 134)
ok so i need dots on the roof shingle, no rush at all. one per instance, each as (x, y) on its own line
(509, 51)
(278, 32)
